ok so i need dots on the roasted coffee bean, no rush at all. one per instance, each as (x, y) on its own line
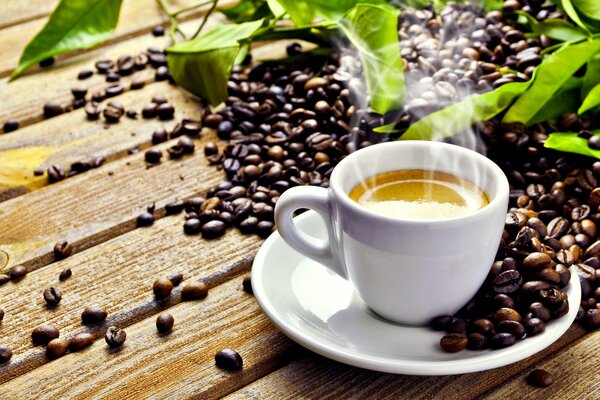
(264, 229)
(65, 274)
(162, 288)
(507, 282)
(229, 359)
(114, 90)
(594, 142)
(458, 325)
(137, 83)
(52, 109)
(158, 31)
(44, 334)
(92, 110)
(534, 326)
(540, 378)
(131, 114)
(502, 340)
(558, 227)
(79, 92)
(483, 326)
(5, 354)
(115, 337)
(80, 341)
(165, 111)
(192, 226)
(113, 112)
(513, 327)
(508, 314)
(99, 96)
(150, 110)
(159, 136)
(144, 219)
(441, 322)
(176, 278)
(187, 145)
(454, 342)
(62, 249)
(164, 323)
(159, 99)
(17, 272)
(532, 288)
(85, 74)
(174, 207)
(93, 315)
(10, 125)
(194, 291)
(477, 341)
(552, 298)
(4, 278)
(537, 261)
(56, 348)
(213, 229)
(162, 73)
(153, 156)
(246, 285)
(104, 65)
(1, 314)
(55, 173)
(52, 296)
(112, 76)
(503, 300)
(175, 152)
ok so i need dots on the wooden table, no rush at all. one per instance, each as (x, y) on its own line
(115, 264)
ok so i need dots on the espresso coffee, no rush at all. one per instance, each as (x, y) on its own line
(419, 195)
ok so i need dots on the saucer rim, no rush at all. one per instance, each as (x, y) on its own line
(488, 360)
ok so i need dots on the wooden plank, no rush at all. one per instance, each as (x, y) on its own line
(117, 275)
(24, 98)
(317, 377)
(71, 137)
(137, 17)
(18, 12)
(98, 205)
(575, 371)
(179, 365)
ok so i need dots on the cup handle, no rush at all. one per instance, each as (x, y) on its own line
(318, 199)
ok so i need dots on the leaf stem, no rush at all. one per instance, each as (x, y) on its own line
(190, 8)
(212, 8)
(173, 27)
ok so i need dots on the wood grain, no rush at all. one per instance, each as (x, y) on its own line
(137, 17)
(178, 365)
(575, 371)
(71, 137)
(98, 205)
(18, 12)
(317, 377)
(118, 276)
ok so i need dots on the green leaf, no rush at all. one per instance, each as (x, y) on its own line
(459, 116)
(572, 13)
(571, 143)
(558, 29)
(591, 101)
(566, 100)
(276, 9)
(551, 75)
(306, 12)
(591, 77)
(373, 32)
(73, 25)
(246, 11)
(203, 65)
(590, 8)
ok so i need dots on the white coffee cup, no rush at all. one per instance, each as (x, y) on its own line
(407, 271)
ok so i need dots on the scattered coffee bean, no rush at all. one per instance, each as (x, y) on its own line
(80, 341)
(5, 354)
(165, 111)
(137, 83)
(194, 291)
(113, 112)
(4, 278)
(115, 337)
(174, 207)
(162, 288)
(47, 62)
(79, 92)
(85, 74)
(159, 136)
(52, 296)
(158, 31)
(44, 334)
(213, 229)
(10, 125)
(176, 278)
(65, 274)
(55, 173)
(131, 114)
(1, 314)
(153, 156)
(104, 65)
(187, 145)
(17, 272)
(62, 249)
(92, 110)
(93, 315)
(164, 323)
(162, 73)
(145, 219)
(454, 342)
(52, 109)
(56, 348)
(540, 378)
(502, 340)
(229, 360)
(247, 285)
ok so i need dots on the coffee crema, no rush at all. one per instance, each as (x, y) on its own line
(419, 194)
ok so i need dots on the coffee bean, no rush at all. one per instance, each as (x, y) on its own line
(176, 278)
(540, 378)
(56, 348)
(158, 31)
(477, 341)
(162, 288)
(502, 340)
(93, 315)
(483, 326)
(44, 334)
(150, 110)
(92, 110)
(558, 227)
(229, 359)
(114, 90)
(113, 112)
(137, 83)
(194, 291)
(17, 272)
(65, 274)
(187, 145)
(52, 296)
(162, 73)
(213, 229)
(513, 327)
(10, 125)
(145, 219)
(454, 342)
(534, 326)
(52, 109)
(4, 278)
(62, 249)
(247, 285)
(85, 74)
(80, 341)
(509, 314)
(153, 156)
(175, 152)
(537, 261)
(264, 229)
(458, 325)
(592, 318)
(174, 207)
(5, 354)
(507, 282)
(1, 314)
(165, 111)
(192, 226)
(164, 323)
(441, 322)
(159, 136)
(594, 142)
(115, 337)
(55, 173)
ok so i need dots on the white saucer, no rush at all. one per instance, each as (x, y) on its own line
(322, 312)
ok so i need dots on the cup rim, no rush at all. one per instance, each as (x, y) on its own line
(501, 184)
